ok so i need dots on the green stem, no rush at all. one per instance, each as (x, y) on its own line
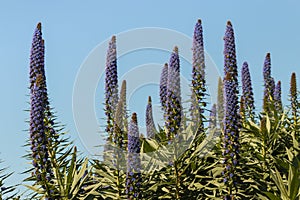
(54, 163)
(177, 175)
(118, 177)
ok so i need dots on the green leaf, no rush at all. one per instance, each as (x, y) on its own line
(271, 196)
(294, 182)
(268, 124)
(280, 184)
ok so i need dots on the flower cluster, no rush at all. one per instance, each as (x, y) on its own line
(269, 83)
(149, 120)
(120, 120)
(231, 117)
(37, 56)
(133, 178)
(277, 97)
(198, 72)
(39, 125)
(247, 95)
(173, 103)
(163, 87)
(293, 95)
(111, 85)
(37, 133)
(198, 77)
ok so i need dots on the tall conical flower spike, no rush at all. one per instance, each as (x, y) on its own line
(213, 117)
(133, 176)
(272, 88)
(174, 108)
(120, 120)
(230, 54)
(38, 105)
(277, 97)
(267, 67)
(36, 56)
(247, 96)
(198, 75)
(151, 130)
(111, 85)
(293, 95)
(231, 118)
(220, 104)
(163, 86)
(268, 83)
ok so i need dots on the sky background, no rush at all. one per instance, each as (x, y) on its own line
(72, 29)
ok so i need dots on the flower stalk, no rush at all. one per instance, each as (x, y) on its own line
(231, 117)
(198, 78)
(150, 126)
(39, 104)
(133, 176)
(111, 86)
(247, 95)
(173, 101)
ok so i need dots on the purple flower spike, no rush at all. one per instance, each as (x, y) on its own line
(272, 88)
(231, 115)
(269, 84)
(293, 96)
(247, 96)
(120, 120)
(198, 57)
(133, 176)
(36, 56)
(38, 106)
(198, 81)
(277, 97)
(111, 85)
(149, 120)
(173, 103)
(267, 67)
(230, 65)
(163, 86)
(293, 86)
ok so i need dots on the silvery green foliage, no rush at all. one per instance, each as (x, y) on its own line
(259, 160)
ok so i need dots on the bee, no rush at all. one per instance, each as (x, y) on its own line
(39, 80)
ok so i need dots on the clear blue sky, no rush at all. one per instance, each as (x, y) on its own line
(73, 28)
